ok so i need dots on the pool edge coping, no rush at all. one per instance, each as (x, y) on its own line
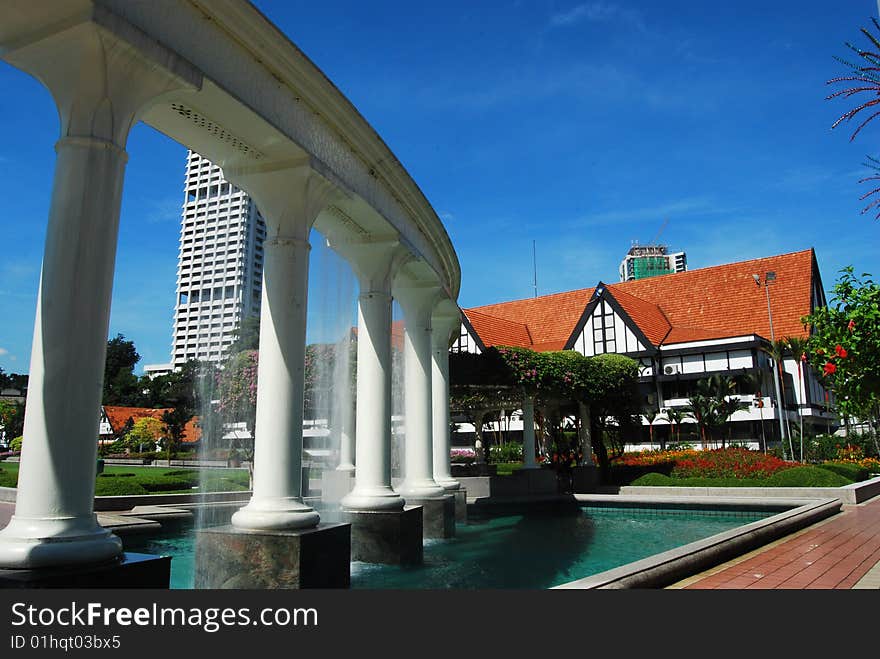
(671, 566)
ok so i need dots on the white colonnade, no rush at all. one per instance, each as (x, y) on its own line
(54, 521)
(236, 91)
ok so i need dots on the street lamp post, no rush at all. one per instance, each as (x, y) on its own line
(768, 278)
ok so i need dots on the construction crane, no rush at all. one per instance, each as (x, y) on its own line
(662, 227)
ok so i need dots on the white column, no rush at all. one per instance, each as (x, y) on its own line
(99, 88)
(445, 321)
(290, 196)
(346, 429)
(528, 420)
(375, 264)
(586, 437)
(417, 303)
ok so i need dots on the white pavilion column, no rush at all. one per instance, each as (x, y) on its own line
(445, 321)
(528, 420)
(586, 437)
(375, 264)
(290, 196)
(100, 84)
(417, 302)
(347, 434)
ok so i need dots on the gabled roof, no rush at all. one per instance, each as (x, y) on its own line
(547, 320)
(724, 301)
(709, 303)
(117, 415)
(647, 316)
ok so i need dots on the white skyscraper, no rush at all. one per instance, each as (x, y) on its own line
(220, 264)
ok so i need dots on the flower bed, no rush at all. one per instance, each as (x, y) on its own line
(691, 463)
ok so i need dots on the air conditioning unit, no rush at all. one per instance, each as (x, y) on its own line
(670, 369)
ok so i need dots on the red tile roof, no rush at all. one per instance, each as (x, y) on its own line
(548, 320)
(709, 303)
(118, 416)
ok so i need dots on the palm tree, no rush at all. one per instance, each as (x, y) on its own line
(863, 77)
(712, 404)
(798, 349)
(676, 415)
(650, 416)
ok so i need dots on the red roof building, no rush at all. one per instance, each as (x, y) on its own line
(115, 417)
(680, 327)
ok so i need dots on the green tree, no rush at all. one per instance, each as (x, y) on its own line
(844, 346)
(676, 415)
(120, 382)
(145, 433)
(651, 416)
(863, 77)
(245, 337)
(11, 419)
(237, 394)
(712, 404)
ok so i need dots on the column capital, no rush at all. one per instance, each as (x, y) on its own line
(290, 194)
(445, 320)
(101, 71)
(417, 298)
(376, 261)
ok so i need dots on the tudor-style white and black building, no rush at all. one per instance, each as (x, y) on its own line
(683, 327)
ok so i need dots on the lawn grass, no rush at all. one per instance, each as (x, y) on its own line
(124, 479)
(507, 468)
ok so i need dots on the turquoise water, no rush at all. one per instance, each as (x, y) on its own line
(536, 548)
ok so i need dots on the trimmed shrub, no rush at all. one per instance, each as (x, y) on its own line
(655, 479)
(807, 477)
(117, 487)
(117, 475)
(165, 483)
(848, 470)
(506, 452)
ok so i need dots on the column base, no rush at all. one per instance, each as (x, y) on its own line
(438, 515)
(128, 571)
(393, 537)
(422, 489)
(335, 485)
(37, 543)
(231, 558)
(460, 497)
(448, 484)
(276, 515)
(372, 499)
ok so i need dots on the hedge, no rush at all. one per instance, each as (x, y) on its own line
(848, 470)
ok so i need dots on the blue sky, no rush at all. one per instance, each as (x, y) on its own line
(582, 126)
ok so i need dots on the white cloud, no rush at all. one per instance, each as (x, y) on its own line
(3, 351)
(163, 210)
(687, 206)
(596, 12)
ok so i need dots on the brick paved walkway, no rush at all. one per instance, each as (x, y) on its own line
(840, 552)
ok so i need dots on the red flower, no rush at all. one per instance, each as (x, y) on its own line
(851, 326)
(830, 368)
(820, 351)
(841, 352)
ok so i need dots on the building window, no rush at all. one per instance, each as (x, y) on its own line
(604, 339)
